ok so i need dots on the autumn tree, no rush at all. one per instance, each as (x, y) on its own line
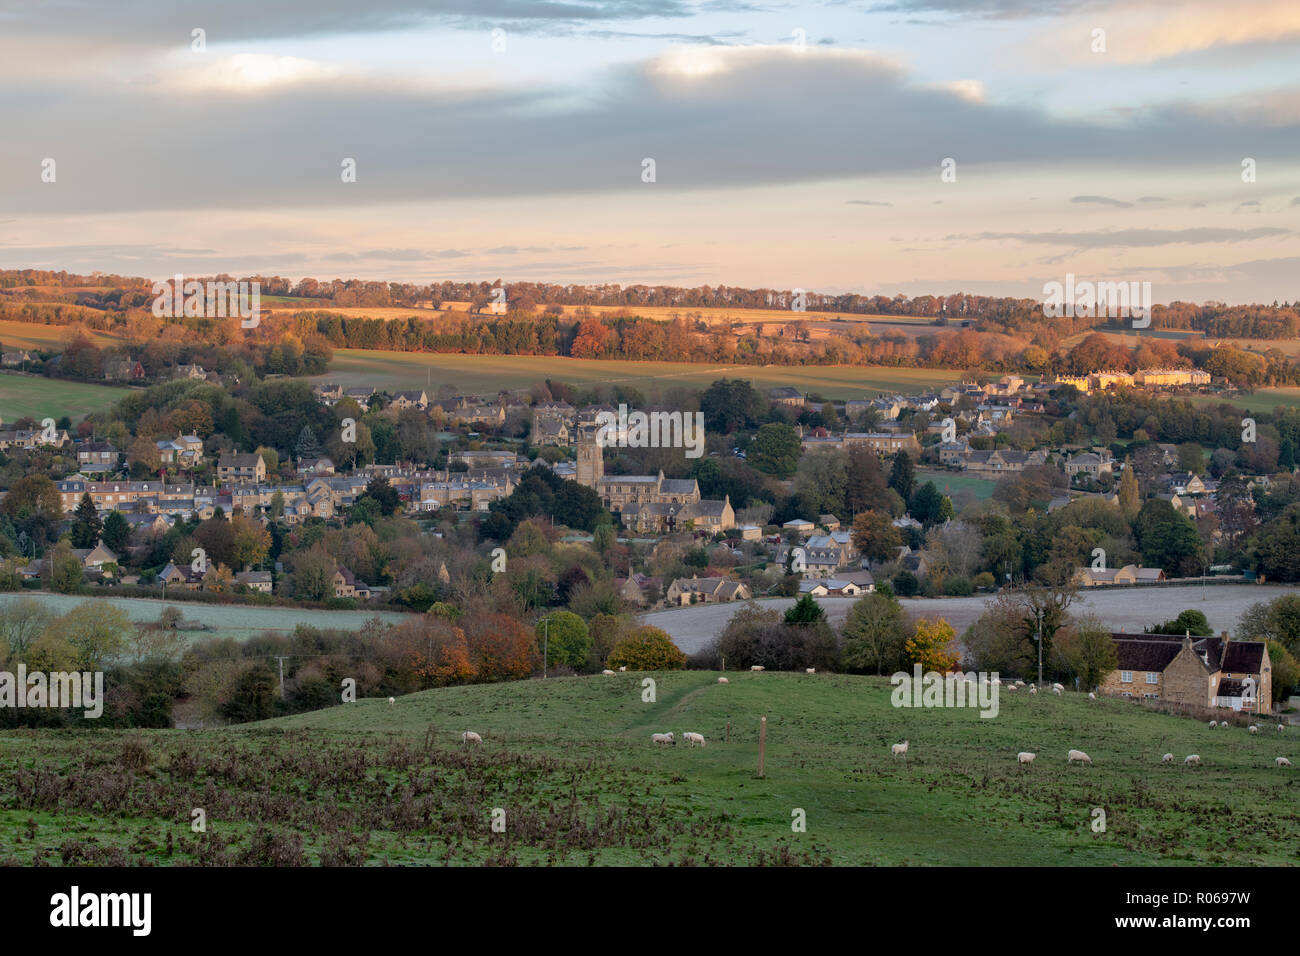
(646, 649)
(875, 536)
(928, 645)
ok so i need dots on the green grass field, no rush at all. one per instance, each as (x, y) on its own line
(489, 373)
(38, 397)
(1262, 400)
(954, 482)
(570, 763)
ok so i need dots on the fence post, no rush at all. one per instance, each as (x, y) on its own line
(762, 743)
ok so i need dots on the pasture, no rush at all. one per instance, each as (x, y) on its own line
(956, 483)
(487, 374)
(1261, 400)
(22, 395)
(570, 762)
(30, 335)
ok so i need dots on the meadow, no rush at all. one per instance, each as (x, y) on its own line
(1261, 400)
(23, 395)
(570, 762)
(487, 374)
(956, 483)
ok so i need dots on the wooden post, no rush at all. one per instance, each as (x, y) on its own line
(762, 743)
(728, 739)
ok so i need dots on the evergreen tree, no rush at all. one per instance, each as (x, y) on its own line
(116, 532)
(307, 446)
(85, 524)
(901, 478)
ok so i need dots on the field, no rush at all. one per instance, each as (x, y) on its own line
(570, 763)
(487, 374)
(955, 483)
(239, 621)
(29, 335)
(1262, 400)
(22, 395)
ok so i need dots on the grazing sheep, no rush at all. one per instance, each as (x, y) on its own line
(723, 680)
(1192, 760)
(1033, 688)
(1010, 687)
(996, 680)
(1281, 729)
(469, 737)
(1223, 725)
(1091, 695)
(1057, 691)
(1025, 757)
(1282, 762)
(1059, 688)
(1167, 758)
(392, 701)
(1213, 724)
(899, 748)
(693, 739)
(1078, 755)
(1020, 683)
(663, 739)
(1253, 729)
(623, 668)
(607, 672)
(811, 670)
(757, 667)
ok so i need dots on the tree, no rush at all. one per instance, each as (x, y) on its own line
(116, 532)
(875, 536)
(84, 532)
(97, 632)
(306, 446)
(250, 542)
(1277, 549)
(905, 584)
(32, 496)
(776, 450)
(875, 634)
(1286, 671)
(729, 404)
(1129, 499)
(901, 476)
(1086, 651)
(930, 507)
(379, 489)
(928, 645)
(646, 649)
(567, 639)
(65, 570)
(1188, 622)
(865, 487)
(805, 611)
(1167, 539)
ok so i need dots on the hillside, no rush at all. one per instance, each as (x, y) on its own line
(571, 762)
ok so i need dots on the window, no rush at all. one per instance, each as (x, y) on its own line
(1153, 677)
(1151, 696)
(1126, 677)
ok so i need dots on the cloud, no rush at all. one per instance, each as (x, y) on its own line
(1103, 200)
(1132, 238)
(867, 202)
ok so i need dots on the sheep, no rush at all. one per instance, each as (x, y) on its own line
(1033, 688)
(723, 680)
(899, 748)
(1010, 687)
(1213, 724)
(757, 667)
(1167, 758)
(1020, 683)
(623, 668)
(1223, 725)
(469, 737)
(1057, 691)
(1091, 695)
(693, 739)
(607, 672)
(1059, 688)
(1281, 729)
(996, 680)
(1192, 760)
(1253, 729)
(1078, 755)
(663, 738)
(1282, 762)
(1025, 757)
(811, 670)
(392, 701)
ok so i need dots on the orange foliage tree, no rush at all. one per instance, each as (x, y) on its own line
(928, 645)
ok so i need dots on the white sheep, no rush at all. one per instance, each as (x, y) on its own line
(1033, 688)
(392, 701)
(898, 749)
(1025, 757)
(1059, 688)
(663, 739)
(1078, 755)
(757, 667)
(1213, 724)
(1167, 758)
(1010, 687)
(723, 680)
(996, 680)
(607, 672)
(693, 739)
(1281, 729)
(1192, 760)
(1253, 729)
(1091, 695)
(623, 668)
(1057, 691)
(469, 737)
(1020, 683)
(1282, 762)
(1223, 725)
(811, 670)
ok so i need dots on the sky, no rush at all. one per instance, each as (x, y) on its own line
(901, 146)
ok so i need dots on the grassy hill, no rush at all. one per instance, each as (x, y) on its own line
(571, 763)
(38, 397)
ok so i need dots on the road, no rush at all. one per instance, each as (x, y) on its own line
(691, 628)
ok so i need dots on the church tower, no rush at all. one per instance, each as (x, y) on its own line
(591, 460)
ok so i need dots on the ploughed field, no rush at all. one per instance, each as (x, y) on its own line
(571, 763)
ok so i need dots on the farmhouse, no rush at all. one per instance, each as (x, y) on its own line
(697, 590)
(1206, 672)
(240, 467)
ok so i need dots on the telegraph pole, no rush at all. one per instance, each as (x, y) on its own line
(281, 660)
